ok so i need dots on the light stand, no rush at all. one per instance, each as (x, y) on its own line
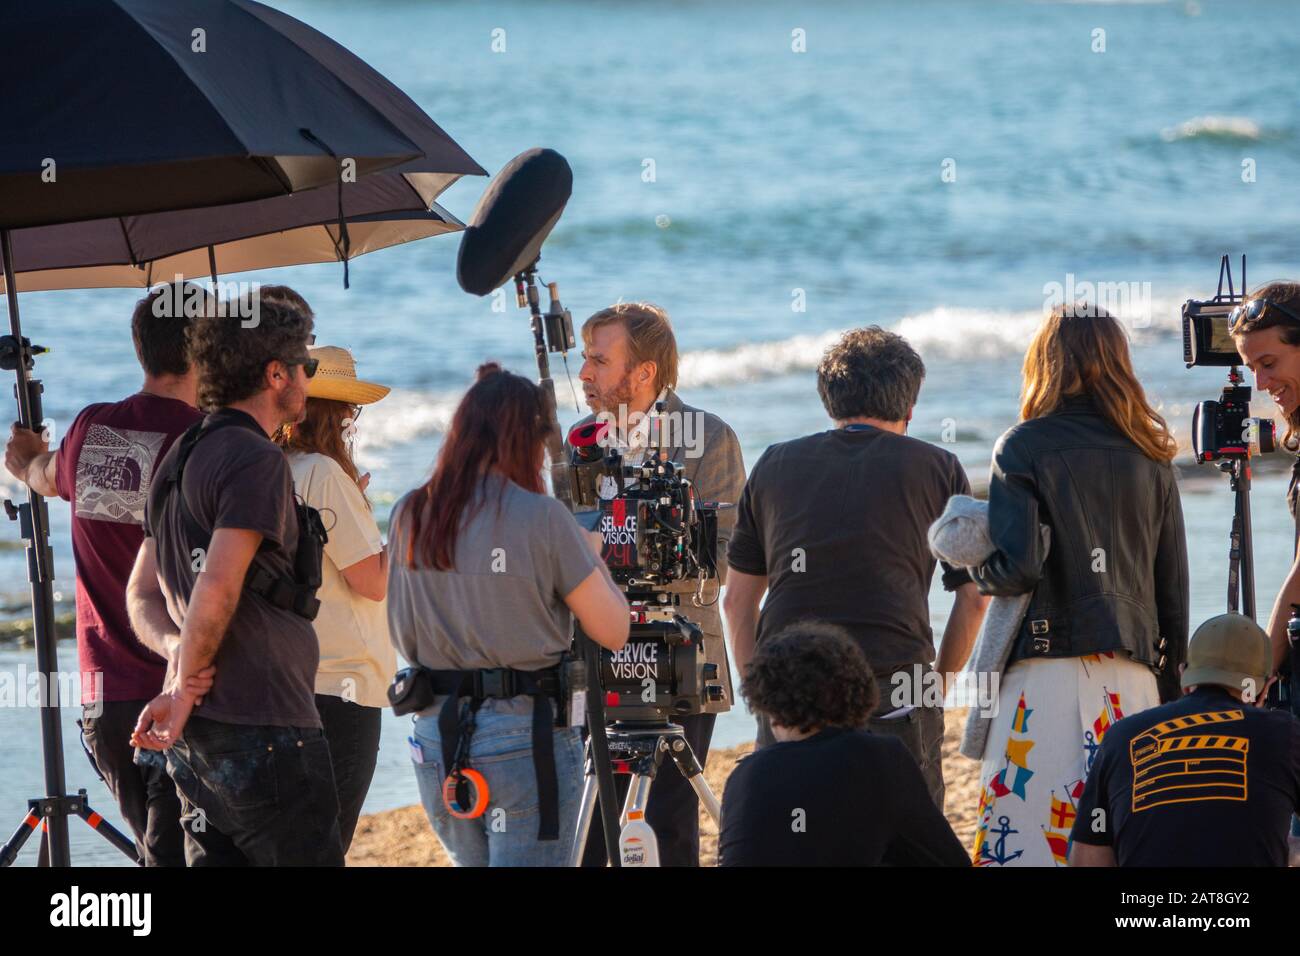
(51, 811)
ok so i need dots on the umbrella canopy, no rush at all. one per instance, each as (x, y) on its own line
(124, 107)
(138, 251)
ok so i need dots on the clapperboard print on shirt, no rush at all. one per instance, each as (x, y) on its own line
(1188, 760)
(113, 473)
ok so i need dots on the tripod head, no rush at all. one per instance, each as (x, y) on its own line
(12, 352)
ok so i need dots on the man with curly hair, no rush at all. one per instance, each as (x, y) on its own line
(826, 794)
(835, 525)
(217, 577)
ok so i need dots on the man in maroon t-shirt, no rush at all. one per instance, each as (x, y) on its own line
(104, 467)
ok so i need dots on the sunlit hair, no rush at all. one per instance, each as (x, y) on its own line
(1287, 295)
(500, 425)
(649, 338)
(323, 432)
(1082, 350)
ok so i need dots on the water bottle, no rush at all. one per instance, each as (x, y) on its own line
(637, 845)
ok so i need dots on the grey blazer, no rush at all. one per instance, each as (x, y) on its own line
(715, 466)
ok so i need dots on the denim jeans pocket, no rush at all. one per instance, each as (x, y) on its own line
(244, 781)
(429, 774)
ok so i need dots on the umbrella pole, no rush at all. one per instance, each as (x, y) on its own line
(33, 518)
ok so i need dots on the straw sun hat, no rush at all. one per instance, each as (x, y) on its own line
(336, 378)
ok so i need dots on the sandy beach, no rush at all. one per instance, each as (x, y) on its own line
(403, 837)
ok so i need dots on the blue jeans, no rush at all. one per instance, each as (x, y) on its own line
(502, 751)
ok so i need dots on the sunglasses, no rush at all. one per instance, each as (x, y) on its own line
(309, 366)
(1253, 309)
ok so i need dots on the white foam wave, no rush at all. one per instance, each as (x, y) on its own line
(950, 332)
(945, 332)
(403, 416)
(1213, 127)
(752, 361)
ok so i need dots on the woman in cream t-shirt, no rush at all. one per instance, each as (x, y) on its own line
(357, 660)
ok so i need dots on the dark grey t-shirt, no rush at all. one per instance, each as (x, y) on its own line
(238, 478)
(837, 522)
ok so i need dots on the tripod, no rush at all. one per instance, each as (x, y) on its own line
(51, 811)
(638, 748)
(1241, 566)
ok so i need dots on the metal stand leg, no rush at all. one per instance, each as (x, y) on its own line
(585, 811)
(690, 768)
(638, 793)
(39, 815)
(641, 752)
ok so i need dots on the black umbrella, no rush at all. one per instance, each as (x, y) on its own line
(122, 107)
(118, 108)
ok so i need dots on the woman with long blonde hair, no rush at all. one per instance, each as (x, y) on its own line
(1106, 623)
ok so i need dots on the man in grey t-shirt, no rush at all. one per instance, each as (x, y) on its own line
(252, 765)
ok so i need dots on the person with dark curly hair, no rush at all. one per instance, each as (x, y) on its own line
(225, 578)
(826, 793)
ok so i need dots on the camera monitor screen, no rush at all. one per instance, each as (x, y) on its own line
(1206, 340)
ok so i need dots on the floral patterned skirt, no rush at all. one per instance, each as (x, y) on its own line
(1053, 714)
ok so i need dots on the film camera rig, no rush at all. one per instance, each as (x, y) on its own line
(659, 542)
(1224, 432)
(674, 535)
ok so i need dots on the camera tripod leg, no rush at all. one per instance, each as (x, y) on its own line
(40, 812)
(9, 852)
(638, 794)
(105, 829)
(690, 768)
(586, 810)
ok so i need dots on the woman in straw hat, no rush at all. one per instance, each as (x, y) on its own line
(357, 660)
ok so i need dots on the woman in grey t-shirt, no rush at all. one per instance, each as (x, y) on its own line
(486, 571)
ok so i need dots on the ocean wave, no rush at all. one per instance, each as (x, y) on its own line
(403, 416)
(942, 333)
(1213, 127)
(948, 332)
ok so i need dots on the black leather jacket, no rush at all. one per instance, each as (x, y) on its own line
(1115, 575)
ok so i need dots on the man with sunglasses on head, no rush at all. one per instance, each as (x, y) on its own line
(1266, 328)
(225, 582)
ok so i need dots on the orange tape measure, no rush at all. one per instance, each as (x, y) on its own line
(465, 793)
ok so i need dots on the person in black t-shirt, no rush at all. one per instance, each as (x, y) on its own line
(826, 794)
(251, 765)
(1208, 780)
(834, 525)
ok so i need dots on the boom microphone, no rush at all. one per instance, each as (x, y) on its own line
(512, 220)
